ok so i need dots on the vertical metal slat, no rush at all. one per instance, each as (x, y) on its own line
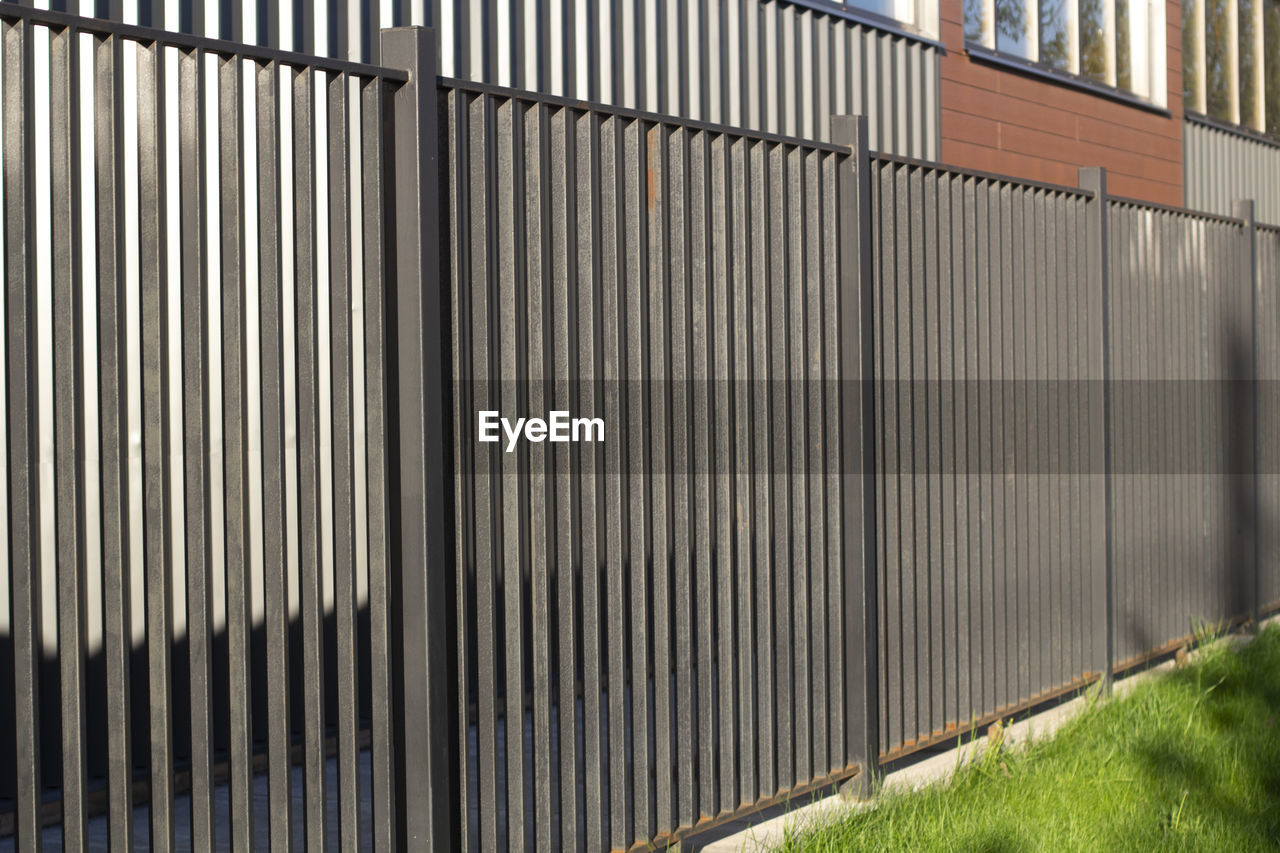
(614, 300)
(561, 221)
(679, 781)
(651, 171)
(950, 497)
(195, 408)
(153, 285)
(721, 468)
(838, 462)
(274, 526)
(795, 467)
(813, 209)
(777, 354)
(114, 431)
(504, 248)
(21, 423)
(702, 470)
(536, 215)
(637, 508)
(764, 782)
(306, 294)
(68, 409)
(235, 438)
(580, 219)
(479, 120)
(738, 190)
(343, 362)
(374, 171)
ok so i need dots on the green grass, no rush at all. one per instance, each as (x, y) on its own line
(1189, 761)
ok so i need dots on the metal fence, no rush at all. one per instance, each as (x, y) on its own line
(988, 508)
(877, 467)
(651, 630)
(1181, 344)
(1073, 468)
(195, 245)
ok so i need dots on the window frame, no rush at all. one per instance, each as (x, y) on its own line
(1153, 49)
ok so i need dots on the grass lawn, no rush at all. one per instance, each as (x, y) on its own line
(1189, 761)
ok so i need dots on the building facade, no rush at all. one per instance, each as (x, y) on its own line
(1030, 92)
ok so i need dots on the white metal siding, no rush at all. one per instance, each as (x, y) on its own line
(1220, 166)
(766, 65)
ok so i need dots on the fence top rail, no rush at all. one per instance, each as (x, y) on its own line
(187, 41)
(1268, 227)
(1122, 201)
(638, 115)
(981, 175)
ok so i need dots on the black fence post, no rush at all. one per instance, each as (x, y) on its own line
(422, 564)
(1094, 179)
(1246, 210)
(857, 418)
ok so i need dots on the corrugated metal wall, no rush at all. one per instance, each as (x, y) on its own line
(991, 562)
(768, 65)
(651, 630)
(1182, 428)
(1220, 166)
(773, 66)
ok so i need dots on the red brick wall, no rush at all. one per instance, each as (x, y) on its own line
(999, 120)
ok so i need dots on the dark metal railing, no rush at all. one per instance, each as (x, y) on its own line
(221, 388)
(892, 450)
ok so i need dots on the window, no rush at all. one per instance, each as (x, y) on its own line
(1096, 60)
(921, 15)
(1015, 30)
(1056, 44)
(1117, 43)
(978, 24)
(1124, 46)
(904, 12)
(1193, 86)
(1271, 66)
(1231, 61)
(1221, 95)
(1249, 57)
